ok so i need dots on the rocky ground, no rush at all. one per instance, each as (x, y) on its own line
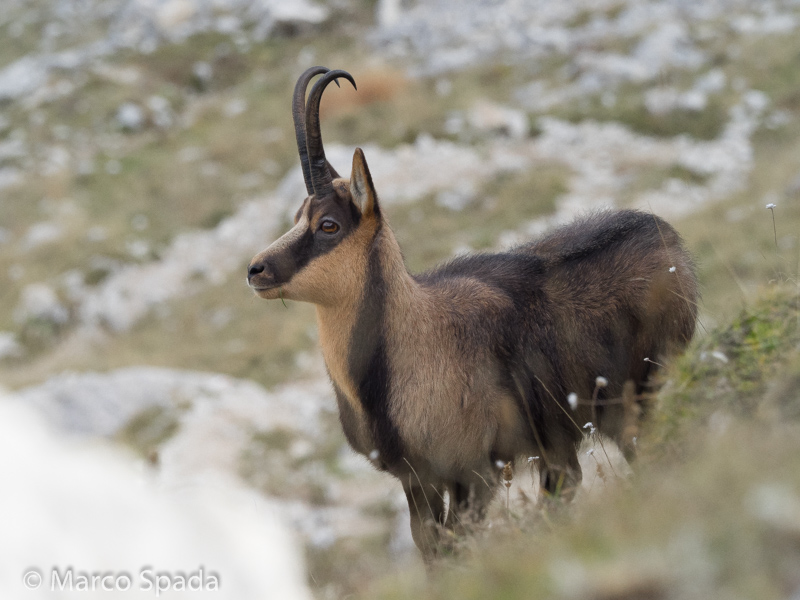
(146, 153)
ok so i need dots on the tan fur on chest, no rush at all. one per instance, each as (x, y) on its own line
(451, 404)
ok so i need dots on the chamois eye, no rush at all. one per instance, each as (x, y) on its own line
(329, 227)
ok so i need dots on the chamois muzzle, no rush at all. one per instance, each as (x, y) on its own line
(276, 265)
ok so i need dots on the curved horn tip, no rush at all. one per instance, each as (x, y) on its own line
(336, 74)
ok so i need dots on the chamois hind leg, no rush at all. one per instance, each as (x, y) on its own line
(426, 505)
(560, 476)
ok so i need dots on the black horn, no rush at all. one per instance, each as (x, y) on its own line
(299, 117)
(321, 173)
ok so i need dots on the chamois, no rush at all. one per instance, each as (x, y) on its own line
(439, 376)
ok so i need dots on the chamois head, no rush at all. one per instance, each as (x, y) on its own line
(321, 257)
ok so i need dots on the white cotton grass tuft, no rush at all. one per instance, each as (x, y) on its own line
(771, 205)
(572, 399)
(672, 269)
(601, 382)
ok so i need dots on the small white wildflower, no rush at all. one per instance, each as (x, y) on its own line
(590, 427)
(374, 455)
(590, 451)
(532, 458)
(771, 205)
(720, 356)
(672, 269)
(499, 464)
(572, 398)
(601, 382)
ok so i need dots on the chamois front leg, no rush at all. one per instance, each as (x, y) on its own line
(426, 505)
(469, 500)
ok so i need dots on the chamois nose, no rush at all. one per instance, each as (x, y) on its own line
(254, 270)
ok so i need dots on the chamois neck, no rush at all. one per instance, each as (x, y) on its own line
(351, 330)
(401, 288)
(384, 280)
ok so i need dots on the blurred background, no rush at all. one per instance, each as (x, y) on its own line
(147, 152)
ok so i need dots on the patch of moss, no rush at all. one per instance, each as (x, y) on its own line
(731, 368)
(148, 429)
(275, 439)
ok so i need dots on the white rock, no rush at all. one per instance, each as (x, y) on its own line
(89, 507)
(388, 12)
(693, 100)
(712, 82)
(102, 403)
(296, 12)
(42, 233)
(9, 177)
(661, 100)
(39, 301)
(203, 72)
(22, 77)
(489, 117)
(161, 111)
(756, 100)
(172, 13)
(8, 345)
(234, 107)
(56, 160)
(14, 147)
(130, 116)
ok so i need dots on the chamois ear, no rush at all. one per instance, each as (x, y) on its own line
(361, 188)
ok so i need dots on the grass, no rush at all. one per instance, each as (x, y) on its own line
(629, 109)
(709, 512)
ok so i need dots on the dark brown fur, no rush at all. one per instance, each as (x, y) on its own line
(439, 376)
